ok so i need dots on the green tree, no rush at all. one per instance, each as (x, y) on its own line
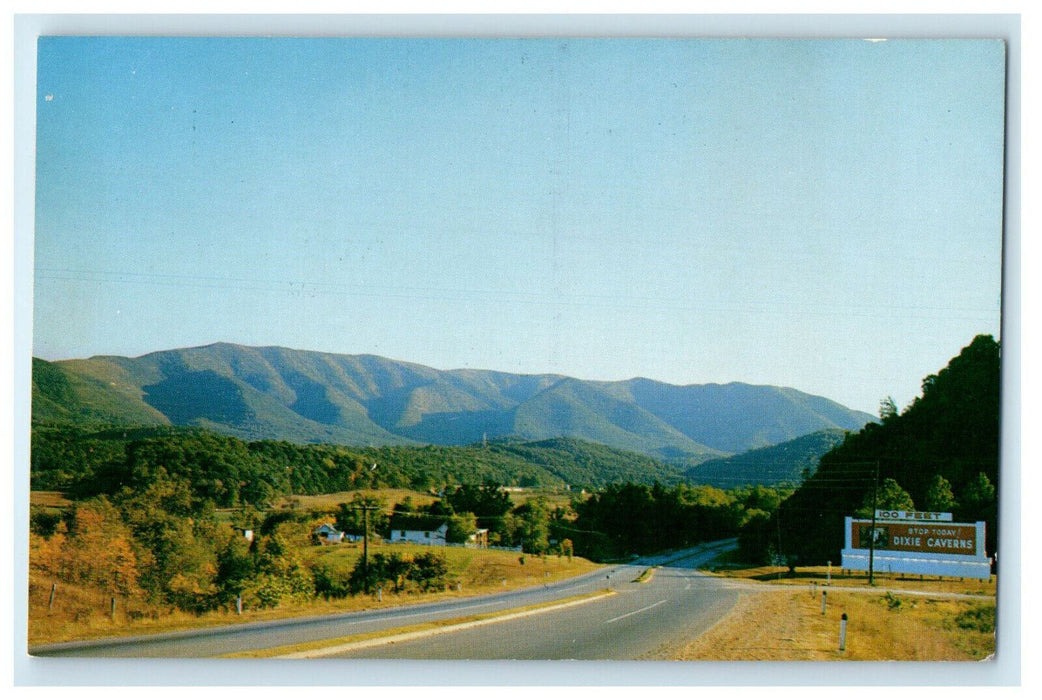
(331, 580)
(485, 501)
(887, 409)
(281, 574)
(461, 526)
(532, 525)
(889, 496)
(397, 569)
(757, 539)
(979, 502)
(429, 570)
(351, 517)
(939, 495)
(236, 565)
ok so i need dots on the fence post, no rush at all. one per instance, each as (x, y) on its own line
(843, 632)
(112, 606)
(824, 597)
(238, 604)
(50, 603)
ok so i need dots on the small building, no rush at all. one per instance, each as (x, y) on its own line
(478, 538)
(419, 529)
(327, 534)
(246, 533)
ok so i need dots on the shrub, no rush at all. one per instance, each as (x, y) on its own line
(429, 570)
(980, 618)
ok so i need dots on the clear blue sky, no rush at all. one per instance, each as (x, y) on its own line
(821, 214)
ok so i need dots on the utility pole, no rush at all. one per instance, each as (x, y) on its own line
(872, 538)
(781, 557)
(365, 508)
(365, 546)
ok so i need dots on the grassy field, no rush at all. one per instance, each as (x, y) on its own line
(330, 501)
(782, 620)
(49, 499)
(82, 613)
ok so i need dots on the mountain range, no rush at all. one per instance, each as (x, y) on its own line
(785, 463)
(306, 397)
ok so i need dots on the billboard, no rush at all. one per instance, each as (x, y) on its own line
(929, 544)
(941, 538)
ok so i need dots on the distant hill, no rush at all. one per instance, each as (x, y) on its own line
(301, 396)
(788, 462)
(230, 471)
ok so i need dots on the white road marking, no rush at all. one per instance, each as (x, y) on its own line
(649, 607)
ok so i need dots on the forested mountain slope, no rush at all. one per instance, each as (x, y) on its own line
(940, 454)
(300, 396)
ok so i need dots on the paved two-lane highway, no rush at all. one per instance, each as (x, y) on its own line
(677, 601)
(675, 605)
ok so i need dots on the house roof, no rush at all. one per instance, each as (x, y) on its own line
(423, 523)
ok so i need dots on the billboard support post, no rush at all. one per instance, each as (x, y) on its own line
(872, 540)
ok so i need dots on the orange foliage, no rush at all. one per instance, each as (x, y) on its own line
(97, 551)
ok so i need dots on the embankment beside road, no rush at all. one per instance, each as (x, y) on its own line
(955, 621)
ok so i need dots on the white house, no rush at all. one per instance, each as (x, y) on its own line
(419, 529)
(328, 534)
(430, 530)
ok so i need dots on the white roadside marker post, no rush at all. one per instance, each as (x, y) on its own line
(843, 632)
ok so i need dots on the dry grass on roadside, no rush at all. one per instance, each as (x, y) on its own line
(83, 613)
(785, 625)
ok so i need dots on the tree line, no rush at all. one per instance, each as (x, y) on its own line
(157, 536)
(231, 472)
(941, 453)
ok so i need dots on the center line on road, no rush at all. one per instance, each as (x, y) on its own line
(648, 607)
(421, 614)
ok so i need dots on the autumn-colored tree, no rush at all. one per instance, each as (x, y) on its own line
(96, 550)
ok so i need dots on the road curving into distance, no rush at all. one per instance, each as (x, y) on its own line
(674, 601)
